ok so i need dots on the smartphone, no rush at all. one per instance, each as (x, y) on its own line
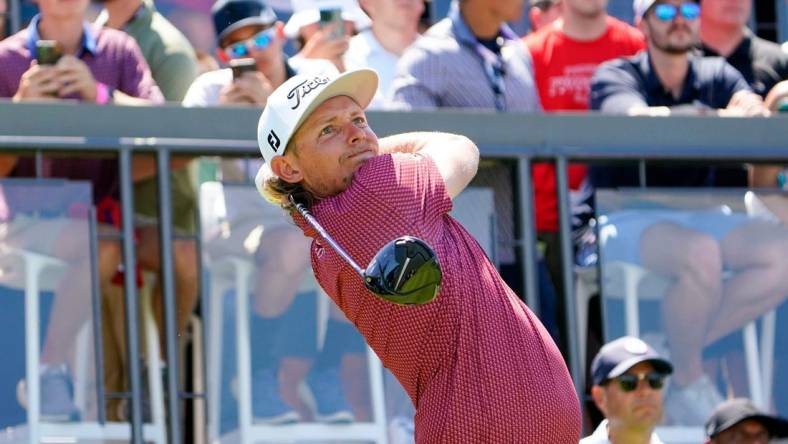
(333, 17)
(240, 66)
(48, 52)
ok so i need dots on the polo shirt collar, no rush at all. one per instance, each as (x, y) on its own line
(143, 14)
(654, 86)
(464, 33)
(89, 42)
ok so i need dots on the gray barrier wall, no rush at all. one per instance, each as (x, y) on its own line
(523, 138)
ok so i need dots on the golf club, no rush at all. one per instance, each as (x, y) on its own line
(405, 271)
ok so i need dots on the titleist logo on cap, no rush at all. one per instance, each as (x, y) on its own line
(304, 88)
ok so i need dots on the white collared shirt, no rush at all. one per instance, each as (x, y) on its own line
(366, 52)
(600, 436)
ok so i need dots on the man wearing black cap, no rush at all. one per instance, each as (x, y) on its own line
(628, 376)
(248, 29)
(738, 421)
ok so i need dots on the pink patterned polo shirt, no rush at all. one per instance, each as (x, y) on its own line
(476, 362)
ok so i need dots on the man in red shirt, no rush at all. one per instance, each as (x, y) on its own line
(565, 55)
(476, 362)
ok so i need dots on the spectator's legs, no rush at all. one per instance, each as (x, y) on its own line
(282, 259)
(757, 253)
(186, 276)
(694, 260)
(72, 296)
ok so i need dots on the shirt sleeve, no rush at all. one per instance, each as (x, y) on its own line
(137, 80)
(729, 81)
(414, 87)
(411, 185)
(615, 90)
(174, 73)
(206, 89)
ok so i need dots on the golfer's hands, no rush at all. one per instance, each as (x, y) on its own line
(39, 82)
(252, 88)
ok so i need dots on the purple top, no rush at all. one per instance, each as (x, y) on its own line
(115, 60)
(112, 56)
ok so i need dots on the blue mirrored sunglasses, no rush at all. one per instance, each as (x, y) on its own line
(259, 41)
(667, 12)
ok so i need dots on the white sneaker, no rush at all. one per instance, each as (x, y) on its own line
(692, 404)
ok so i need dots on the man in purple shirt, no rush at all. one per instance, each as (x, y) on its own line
(100, 66)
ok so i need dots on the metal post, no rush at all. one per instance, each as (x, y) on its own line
(529, 235)
(39, 162)
(15, 14)
(564, 216)
(642, 175)
(782, 20)
(168, 293)
(95, 293)
(130, 293)
(205, 315)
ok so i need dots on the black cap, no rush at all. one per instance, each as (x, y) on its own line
(618, 356)
(229, 15)
(734, 411)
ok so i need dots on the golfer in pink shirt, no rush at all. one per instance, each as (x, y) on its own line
(477, 363)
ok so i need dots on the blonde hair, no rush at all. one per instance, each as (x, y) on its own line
(278, 191)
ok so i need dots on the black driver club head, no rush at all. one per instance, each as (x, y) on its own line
(405, 271)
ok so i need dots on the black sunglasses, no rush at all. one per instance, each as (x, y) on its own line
(629, 382)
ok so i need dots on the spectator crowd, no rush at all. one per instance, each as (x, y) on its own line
(677, 58)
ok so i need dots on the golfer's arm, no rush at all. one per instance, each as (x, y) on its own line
(456, 157)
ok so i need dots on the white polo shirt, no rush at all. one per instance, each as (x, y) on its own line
(366, 52)
(600, 436)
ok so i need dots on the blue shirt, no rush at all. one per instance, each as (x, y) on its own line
(621, 84)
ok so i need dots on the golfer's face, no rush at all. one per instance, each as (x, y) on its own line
(332, 144)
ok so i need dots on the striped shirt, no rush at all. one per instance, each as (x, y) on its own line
(444, 68)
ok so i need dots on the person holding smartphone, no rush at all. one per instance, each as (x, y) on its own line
(323, 30)
(250, 42)
(79, 62)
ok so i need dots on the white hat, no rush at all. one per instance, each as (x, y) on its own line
(290, 104)
(640, 7)
(306, 12)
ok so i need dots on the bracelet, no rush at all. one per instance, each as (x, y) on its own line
(103, 94)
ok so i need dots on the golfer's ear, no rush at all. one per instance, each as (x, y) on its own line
(287, 169)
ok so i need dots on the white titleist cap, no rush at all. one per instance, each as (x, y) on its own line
(292, 102)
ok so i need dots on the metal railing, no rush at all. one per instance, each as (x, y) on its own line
(170, 130)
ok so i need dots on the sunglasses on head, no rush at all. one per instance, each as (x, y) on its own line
(259, 41)
(629, 382)
(667, 12)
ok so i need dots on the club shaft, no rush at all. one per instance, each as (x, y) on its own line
(341, 251)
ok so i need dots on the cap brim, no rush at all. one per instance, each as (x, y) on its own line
(777, 427)
(659, 364)
(249, 21)
(360, 85)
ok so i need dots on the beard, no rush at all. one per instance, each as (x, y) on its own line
(664, 44)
